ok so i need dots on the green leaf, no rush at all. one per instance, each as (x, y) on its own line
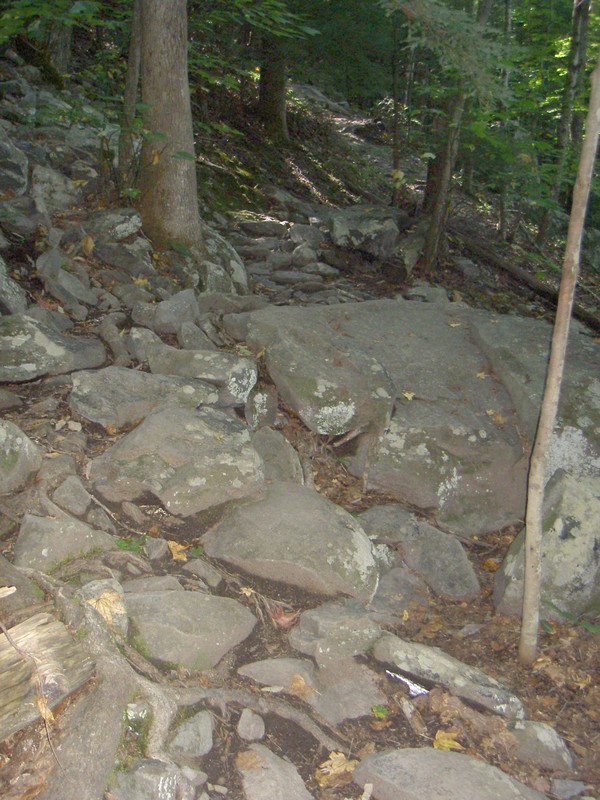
(131, 545)
(381, 712)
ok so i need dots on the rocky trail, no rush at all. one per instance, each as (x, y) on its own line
(260, 520)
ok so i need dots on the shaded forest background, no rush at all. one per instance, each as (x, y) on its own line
(488, 96)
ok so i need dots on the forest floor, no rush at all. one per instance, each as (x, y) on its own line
(333, 165)
(336, 164)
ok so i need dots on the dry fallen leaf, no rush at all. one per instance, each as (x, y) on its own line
(299, 687)
(177, 550)
(336, 771)
(446, 740)
(454, 323)
(108, 605)
(41, 702)
(283, 619)
(408, 395)
(87, 244)
(495, 416)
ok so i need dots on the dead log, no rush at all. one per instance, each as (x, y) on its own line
(45, 667)
(478, 248)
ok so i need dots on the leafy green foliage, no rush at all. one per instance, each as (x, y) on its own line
(34, 16)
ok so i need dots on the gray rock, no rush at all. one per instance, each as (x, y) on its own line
(107, 598)
(261, 407)
(14, 166)
(191, 337)
(399, 591)
(430, 294)
(186, 629)
(264, 227)
(52, 191)
(518, 350)
(303, 254)
(297, 536)
(433, 666)
(30, 349)
(193, 738)
(114, 224)
(233, 375)
(9, 401)
(151, 779)
(280, 460)
(72, 496)
(311, 234)
(332, 388)
(390, 523)
(347, 690)
(291, 675)
(570, 566)
(334, 631)
(181, 307)
(117, 397)
(410, 248)
(13, 299)
(202, 569)
(266, 776)
(43, 542)
(153, 583)
(21, 217)
(251, 726)
(276, 260)
(366, 228)
(133, 258)
(419, 773)
(27, 592)
(441, 561)
(189, 460)
(540, 744)
(138, 340)
(565, 789)
(19, 457)
(223, 255)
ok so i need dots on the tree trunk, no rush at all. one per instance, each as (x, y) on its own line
(60, 43)
(539, 457)
(168, 190)
(132, 79)
(577, 52)
(439, 173)
(396, 156)
(272, 87)
(443, 172)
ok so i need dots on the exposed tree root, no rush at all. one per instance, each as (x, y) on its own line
(91, 729)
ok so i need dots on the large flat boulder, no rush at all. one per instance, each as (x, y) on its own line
(189, 460)
(333, 387)
(296, 536)
(29, 349)
(116, 397)
(422, 773)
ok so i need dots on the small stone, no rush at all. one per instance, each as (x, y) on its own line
(250, 726)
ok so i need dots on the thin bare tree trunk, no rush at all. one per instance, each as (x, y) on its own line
(396, 172)
(577, 52)
(539, 457)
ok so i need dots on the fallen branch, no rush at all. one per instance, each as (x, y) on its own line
(484, 251)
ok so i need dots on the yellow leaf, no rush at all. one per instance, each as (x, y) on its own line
(155, 158)
(299, 687)
(409, 395)
(336, 771)
(177, 551)
(445, 740)
(46, 714)
(495, 416)
(87, 244)
(108, 605)
(247, 591)
(405, 615)
(454, 323)
(140, 281)
(482, 375)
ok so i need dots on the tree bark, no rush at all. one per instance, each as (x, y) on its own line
(539, 457)
(577, 52)
(396, 156)
(132, 80)
(168, 190)
(272, 87)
